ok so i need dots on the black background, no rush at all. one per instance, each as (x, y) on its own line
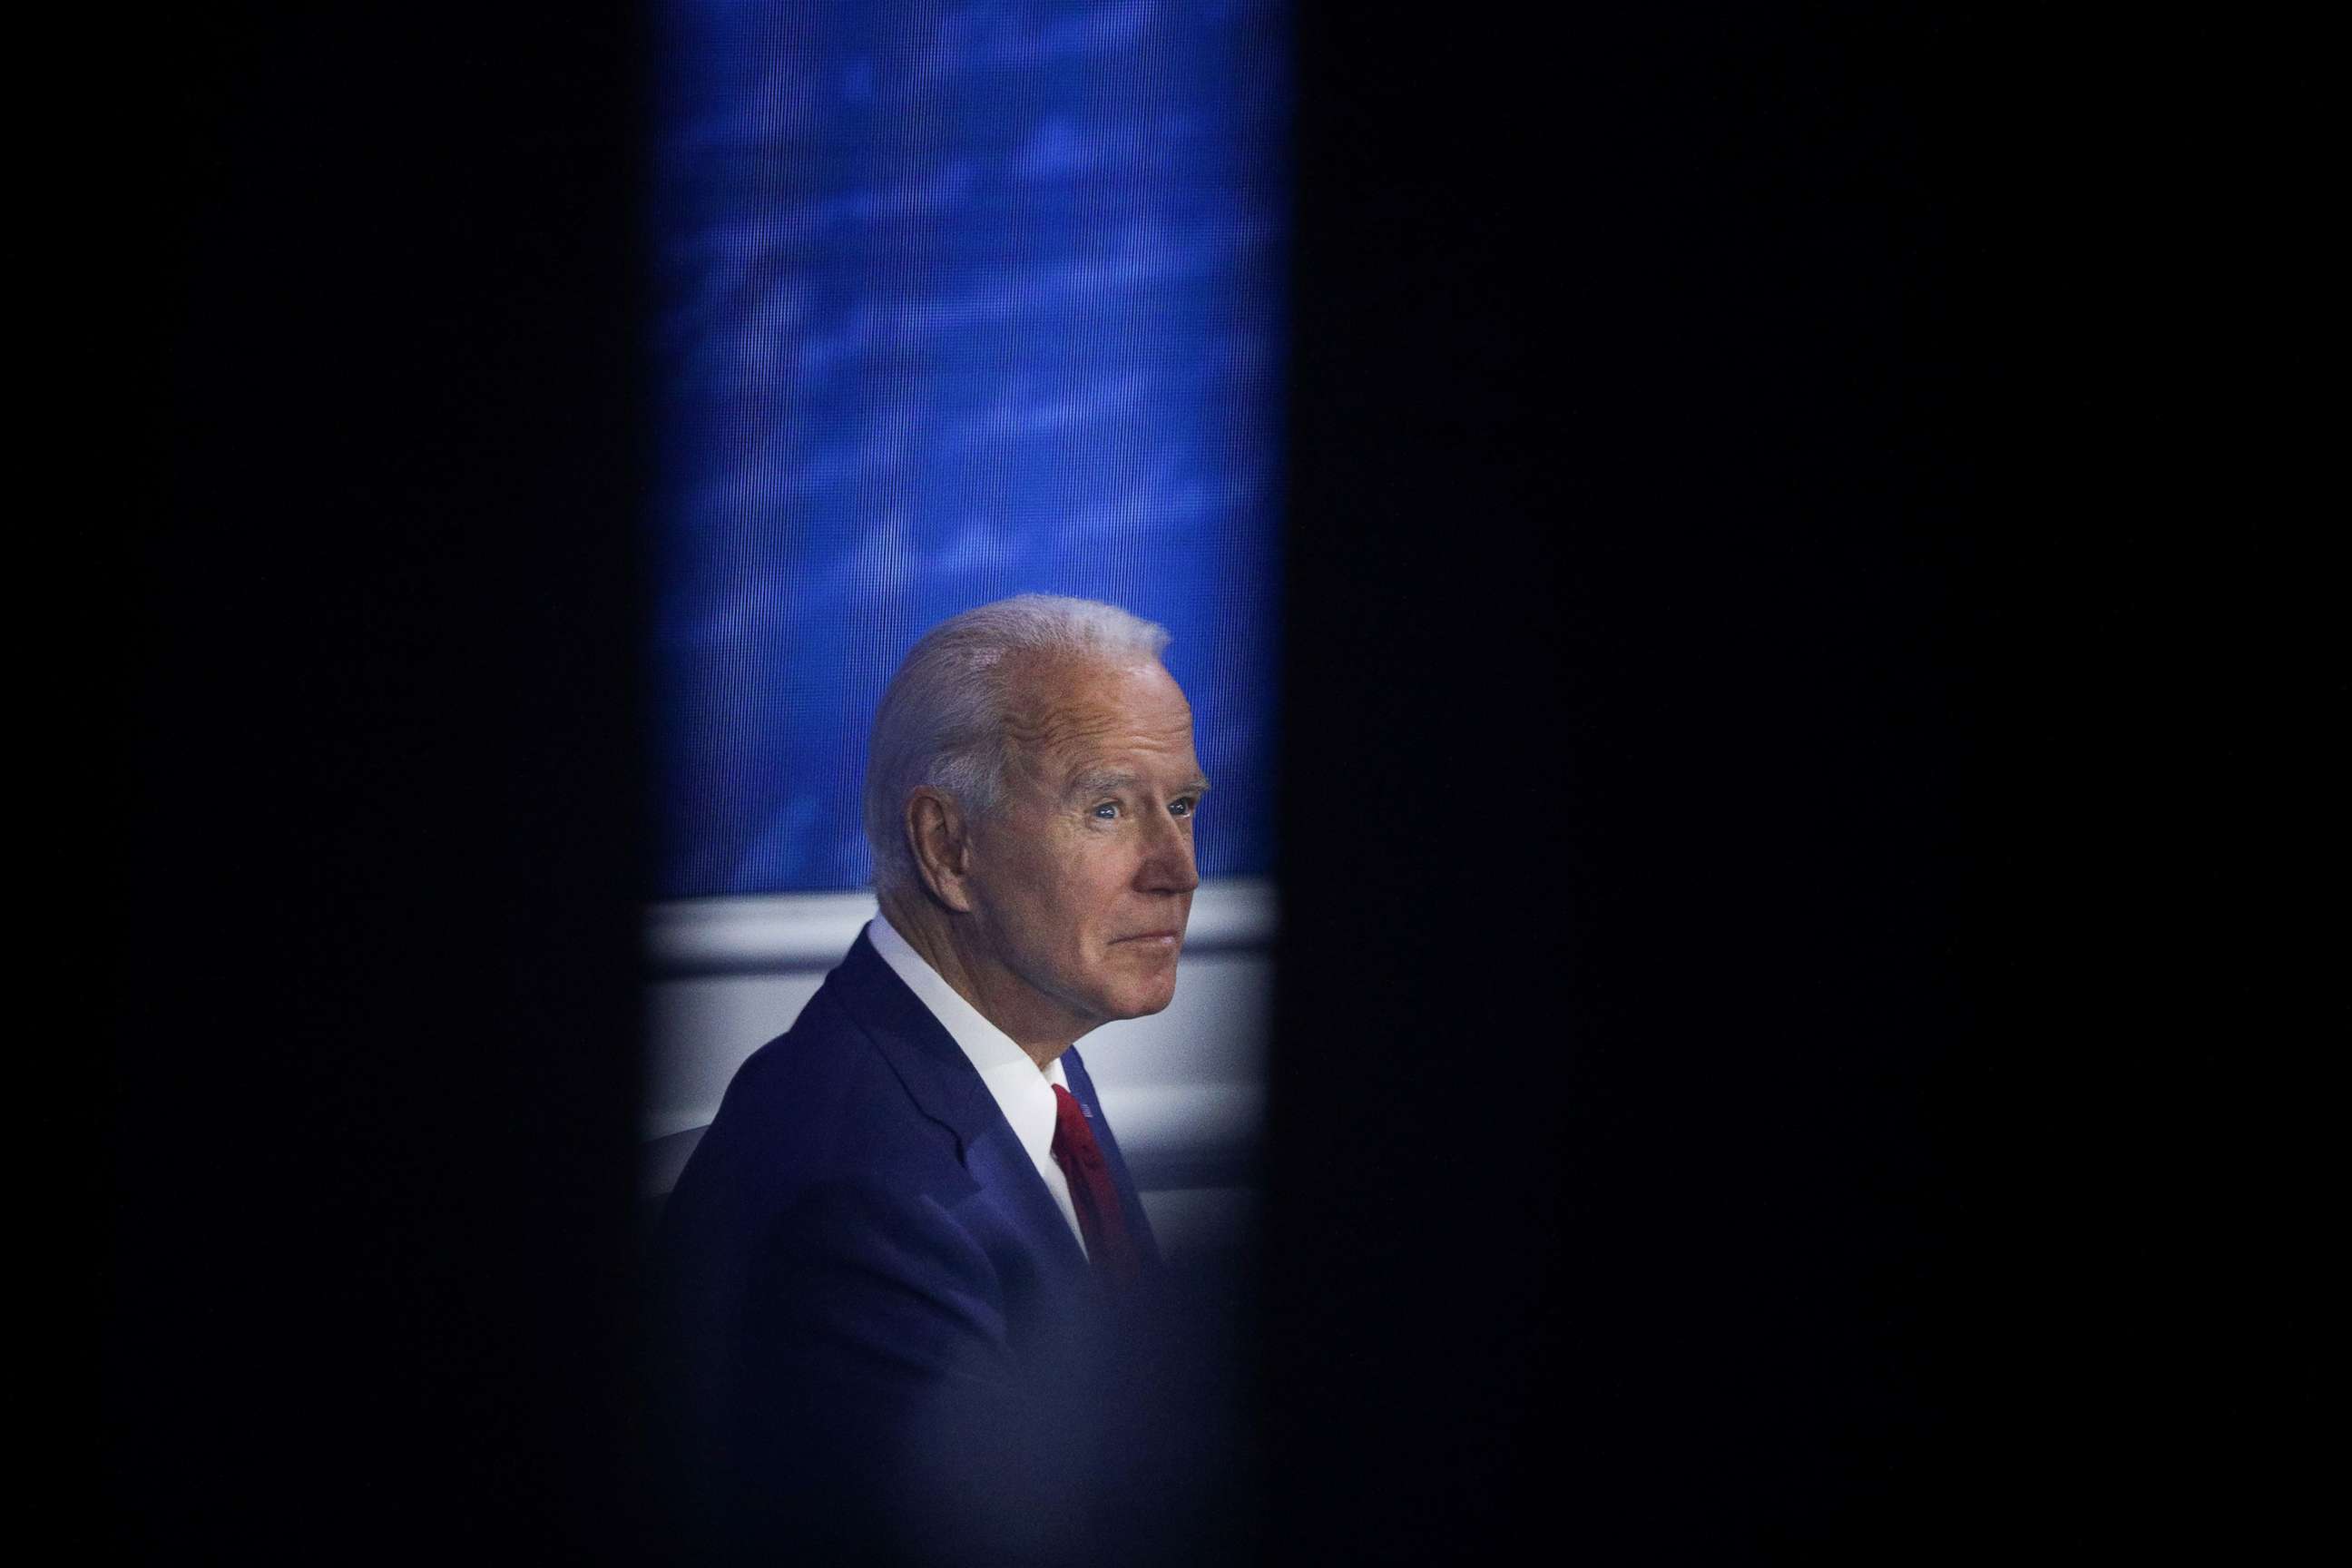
(1637, 777)
(1712, 811)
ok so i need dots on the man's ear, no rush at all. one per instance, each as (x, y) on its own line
(943, 848)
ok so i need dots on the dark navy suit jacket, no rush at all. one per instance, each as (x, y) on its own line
(878, 1327)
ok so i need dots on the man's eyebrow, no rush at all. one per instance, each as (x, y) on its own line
(1110, 780)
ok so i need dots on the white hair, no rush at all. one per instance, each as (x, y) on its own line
(942, 718)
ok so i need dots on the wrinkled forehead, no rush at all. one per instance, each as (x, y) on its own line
(1066, 710)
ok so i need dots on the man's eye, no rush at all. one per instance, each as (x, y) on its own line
(1108, 811)
(1181, 807)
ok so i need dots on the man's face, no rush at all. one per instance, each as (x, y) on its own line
(1082, 879)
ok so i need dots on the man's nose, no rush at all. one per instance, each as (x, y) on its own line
(1168, 866)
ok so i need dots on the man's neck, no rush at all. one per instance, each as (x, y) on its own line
(994, 992)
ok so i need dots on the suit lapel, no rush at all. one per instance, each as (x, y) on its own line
(937, 1077)
(941, 1081)
(1006, 1177)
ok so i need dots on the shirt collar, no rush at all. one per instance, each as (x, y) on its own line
(1022, 1093)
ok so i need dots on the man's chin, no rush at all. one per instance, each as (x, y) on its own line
(1140, 978)
(1141, 1004)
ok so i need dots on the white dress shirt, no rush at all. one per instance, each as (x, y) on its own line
(1022, 1092)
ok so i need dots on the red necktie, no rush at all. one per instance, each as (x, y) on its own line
(1100, 1220)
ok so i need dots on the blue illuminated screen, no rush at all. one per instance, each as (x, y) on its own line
(955, 303)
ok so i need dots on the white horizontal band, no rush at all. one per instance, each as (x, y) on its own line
(780, 931)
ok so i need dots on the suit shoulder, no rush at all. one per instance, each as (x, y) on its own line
(819, 1102)
(824, 1080)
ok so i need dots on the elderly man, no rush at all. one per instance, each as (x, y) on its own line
(907, 1255)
